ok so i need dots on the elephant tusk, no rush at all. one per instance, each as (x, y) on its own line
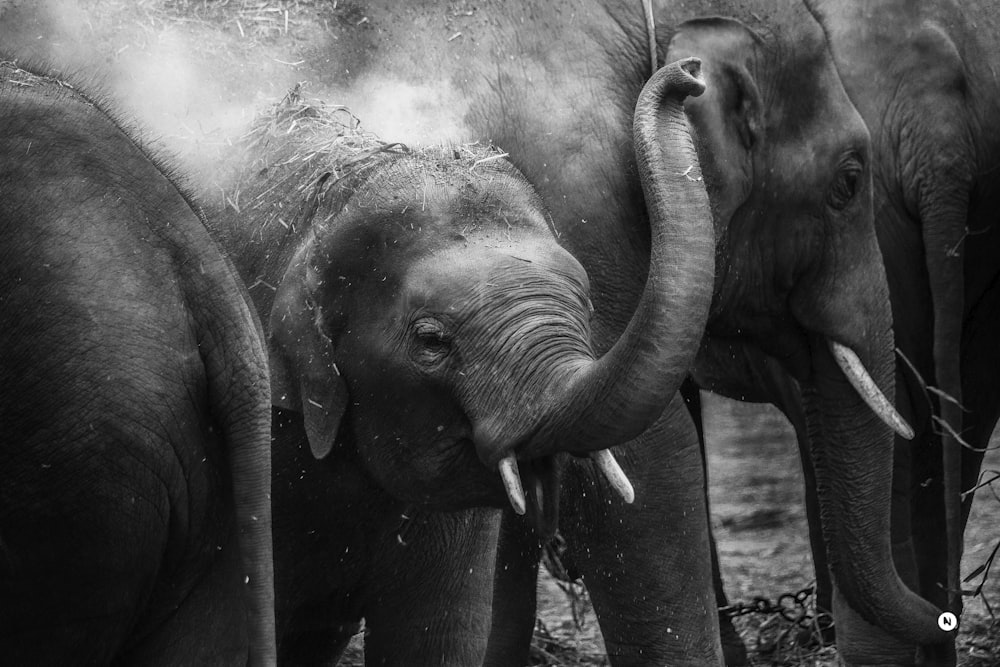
(607, 464)
(512, 483)
(868, 390)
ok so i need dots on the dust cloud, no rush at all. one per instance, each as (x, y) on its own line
(399, 110)
(194, 73)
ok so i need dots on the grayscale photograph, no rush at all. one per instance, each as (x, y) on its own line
(502, 333)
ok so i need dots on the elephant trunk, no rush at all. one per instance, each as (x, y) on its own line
(945, 268)
(615, 398)
(852, 455)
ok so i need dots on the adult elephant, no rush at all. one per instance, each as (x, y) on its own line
(938, 145)
(922, 76)
(787, 160)
(134, 451)
(431, 350)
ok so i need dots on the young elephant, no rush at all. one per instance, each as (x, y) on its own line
(427, 332)
(134, 452)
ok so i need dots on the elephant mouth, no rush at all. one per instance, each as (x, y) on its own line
(541, 479)
(792, 349)
(804, 354)
(532, 488)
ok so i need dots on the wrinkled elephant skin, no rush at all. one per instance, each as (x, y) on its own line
(134, 455)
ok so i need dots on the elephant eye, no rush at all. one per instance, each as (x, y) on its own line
(845, 186)
(431, 341)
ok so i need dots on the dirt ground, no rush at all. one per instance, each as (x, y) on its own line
(194, 70)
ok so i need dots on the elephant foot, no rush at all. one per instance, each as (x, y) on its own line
(733, 649)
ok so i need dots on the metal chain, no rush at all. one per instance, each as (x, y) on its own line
(790, 606)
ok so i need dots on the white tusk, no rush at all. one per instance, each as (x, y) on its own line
(512, 483)
(868, 390)
(615, 475)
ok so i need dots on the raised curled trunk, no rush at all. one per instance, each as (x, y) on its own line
(852, 453)
(618, 396)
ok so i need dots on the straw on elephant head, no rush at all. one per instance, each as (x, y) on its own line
(301, 151)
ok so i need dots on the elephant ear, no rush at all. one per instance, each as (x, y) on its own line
(304, 375)
(727, 119)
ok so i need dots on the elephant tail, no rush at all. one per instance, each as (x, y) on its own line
(230, 339)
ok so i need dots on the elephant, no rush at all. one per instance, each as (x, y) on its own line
(134, 454)
(786, 160)
(432, 358)
(938, 199)
(921, 75)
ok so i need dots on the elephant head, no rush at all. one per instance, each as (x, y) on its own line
(430, 319)
(800, 277)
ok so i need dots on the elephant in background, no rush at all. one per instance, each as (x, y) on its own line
(134, 464)
(938, 146)
(921, 75)
(431, 351)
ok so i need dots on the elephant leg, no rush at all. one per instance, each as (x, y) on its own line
(983, 420)
(733, 649)
(944, 654)
(514, 593)
(821, 566)
(929, 541)
(981, 397)
(647, 566)
(430, 589)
